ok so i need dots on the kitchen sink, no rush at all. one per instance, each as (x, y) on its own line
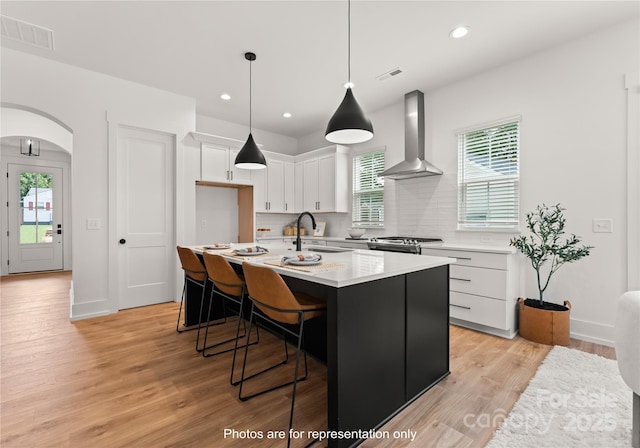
(327, 249)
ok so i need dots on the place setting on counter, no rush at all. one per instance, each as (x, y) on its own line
(216, 246)
(242, 252)
(306, 262)
(248, 252)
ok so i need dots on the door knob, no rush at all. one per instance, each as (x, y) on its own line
(122, 241)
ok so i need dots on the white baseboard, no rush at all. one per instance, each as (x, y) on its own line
(580, 329)
(89, 309)
(592, 332)
(507, 334)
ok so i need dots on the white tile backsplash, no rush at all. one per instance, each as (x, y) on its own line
(423, 207)
(337, 223)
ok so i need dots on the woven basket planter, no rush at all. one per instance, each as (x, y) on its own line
(545, 326)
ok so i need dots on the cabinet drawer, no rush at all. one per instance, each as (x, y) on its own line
(481, 310)
(469, 258)
(478, 281)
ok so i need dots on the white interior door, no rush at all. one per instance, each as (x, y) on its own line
(145, 217)
(35, 218)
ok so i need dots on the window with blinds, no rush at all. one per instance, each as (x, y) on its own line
(368, 190)
(489, 176)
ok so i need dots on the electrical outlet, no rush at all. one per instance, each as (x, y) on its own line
(603, 226)
(93, 224)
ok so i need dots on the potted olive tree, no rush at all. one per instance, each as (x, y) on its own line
(540, 321)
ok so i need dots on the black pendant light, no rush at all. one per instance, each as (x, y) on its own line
(250, 157)
(349, 124)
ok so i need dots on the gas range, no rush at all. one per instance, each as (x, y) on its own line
(407, 244)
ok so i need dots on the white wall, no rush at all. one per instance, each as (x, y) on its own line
(18, 122)
(313, 141)
(572, 100)
(82, 99)
(268, 141)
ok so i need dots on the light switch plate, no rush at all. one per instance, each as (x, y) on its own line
(93, 224)
(602, 225)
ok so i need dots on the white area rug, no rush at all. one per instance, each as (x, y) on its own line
(575, 399)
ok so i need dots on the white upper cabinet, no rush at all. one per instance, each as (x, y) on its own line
(259, 179)
(310, 189)
(275, 186)
(326, 180)
(315, 181)
(327, 188)
(289, 187)
(269, 187)
(299, 187)
(217, 165)
(238, 175)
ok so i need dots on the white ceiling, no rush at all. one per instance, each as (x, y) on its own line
(197, 48)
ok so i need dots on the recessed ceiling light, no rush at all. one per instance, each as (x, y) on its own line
(286, 115)
(459, 32)
(225, 96)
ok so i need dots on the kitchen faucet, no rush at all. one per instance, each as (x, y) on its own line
(298, 240)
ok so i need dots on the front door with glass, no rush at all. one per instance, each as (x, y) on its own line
(35, 218)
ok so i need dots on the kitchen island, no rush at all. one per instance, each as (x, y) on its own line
(387, 331)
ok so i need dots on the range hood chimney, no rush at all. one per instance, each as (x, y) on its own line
(414, 164)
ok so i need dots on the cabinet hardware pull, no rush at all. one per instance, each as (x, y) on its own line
(285, 206)
(231, 175)
(462, 258)
(461, 279)
(460, 306)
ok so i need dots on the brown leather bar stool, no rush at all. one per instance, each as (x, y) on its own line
(230, 286)
(272, 301)
(194, 272)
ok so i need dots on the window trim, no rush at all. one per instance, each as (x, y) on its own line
(488, 226)
(356, 154)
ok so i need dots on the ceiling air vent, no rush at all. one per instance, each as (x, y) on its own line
(27, 33)
(389, 74)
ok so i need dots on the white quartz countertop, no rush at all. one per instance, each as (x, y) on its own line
(354, 266)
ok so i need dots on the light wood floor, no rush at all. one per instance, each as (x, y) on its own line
(129, 379)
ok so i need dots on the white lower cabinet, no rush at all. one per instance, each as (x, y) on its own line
(484, 285)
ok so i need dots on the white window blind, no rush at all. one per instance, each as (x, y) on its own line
(368, 190)
(489, 176)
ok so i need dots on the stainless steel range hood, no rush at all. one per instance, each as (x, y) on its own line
(414, 164)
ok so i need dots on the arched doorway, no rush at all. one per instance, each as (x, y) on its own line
(36, 224)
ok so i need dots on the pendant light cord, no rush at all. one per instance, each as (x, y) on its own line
(349, 43)
(250, 97)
